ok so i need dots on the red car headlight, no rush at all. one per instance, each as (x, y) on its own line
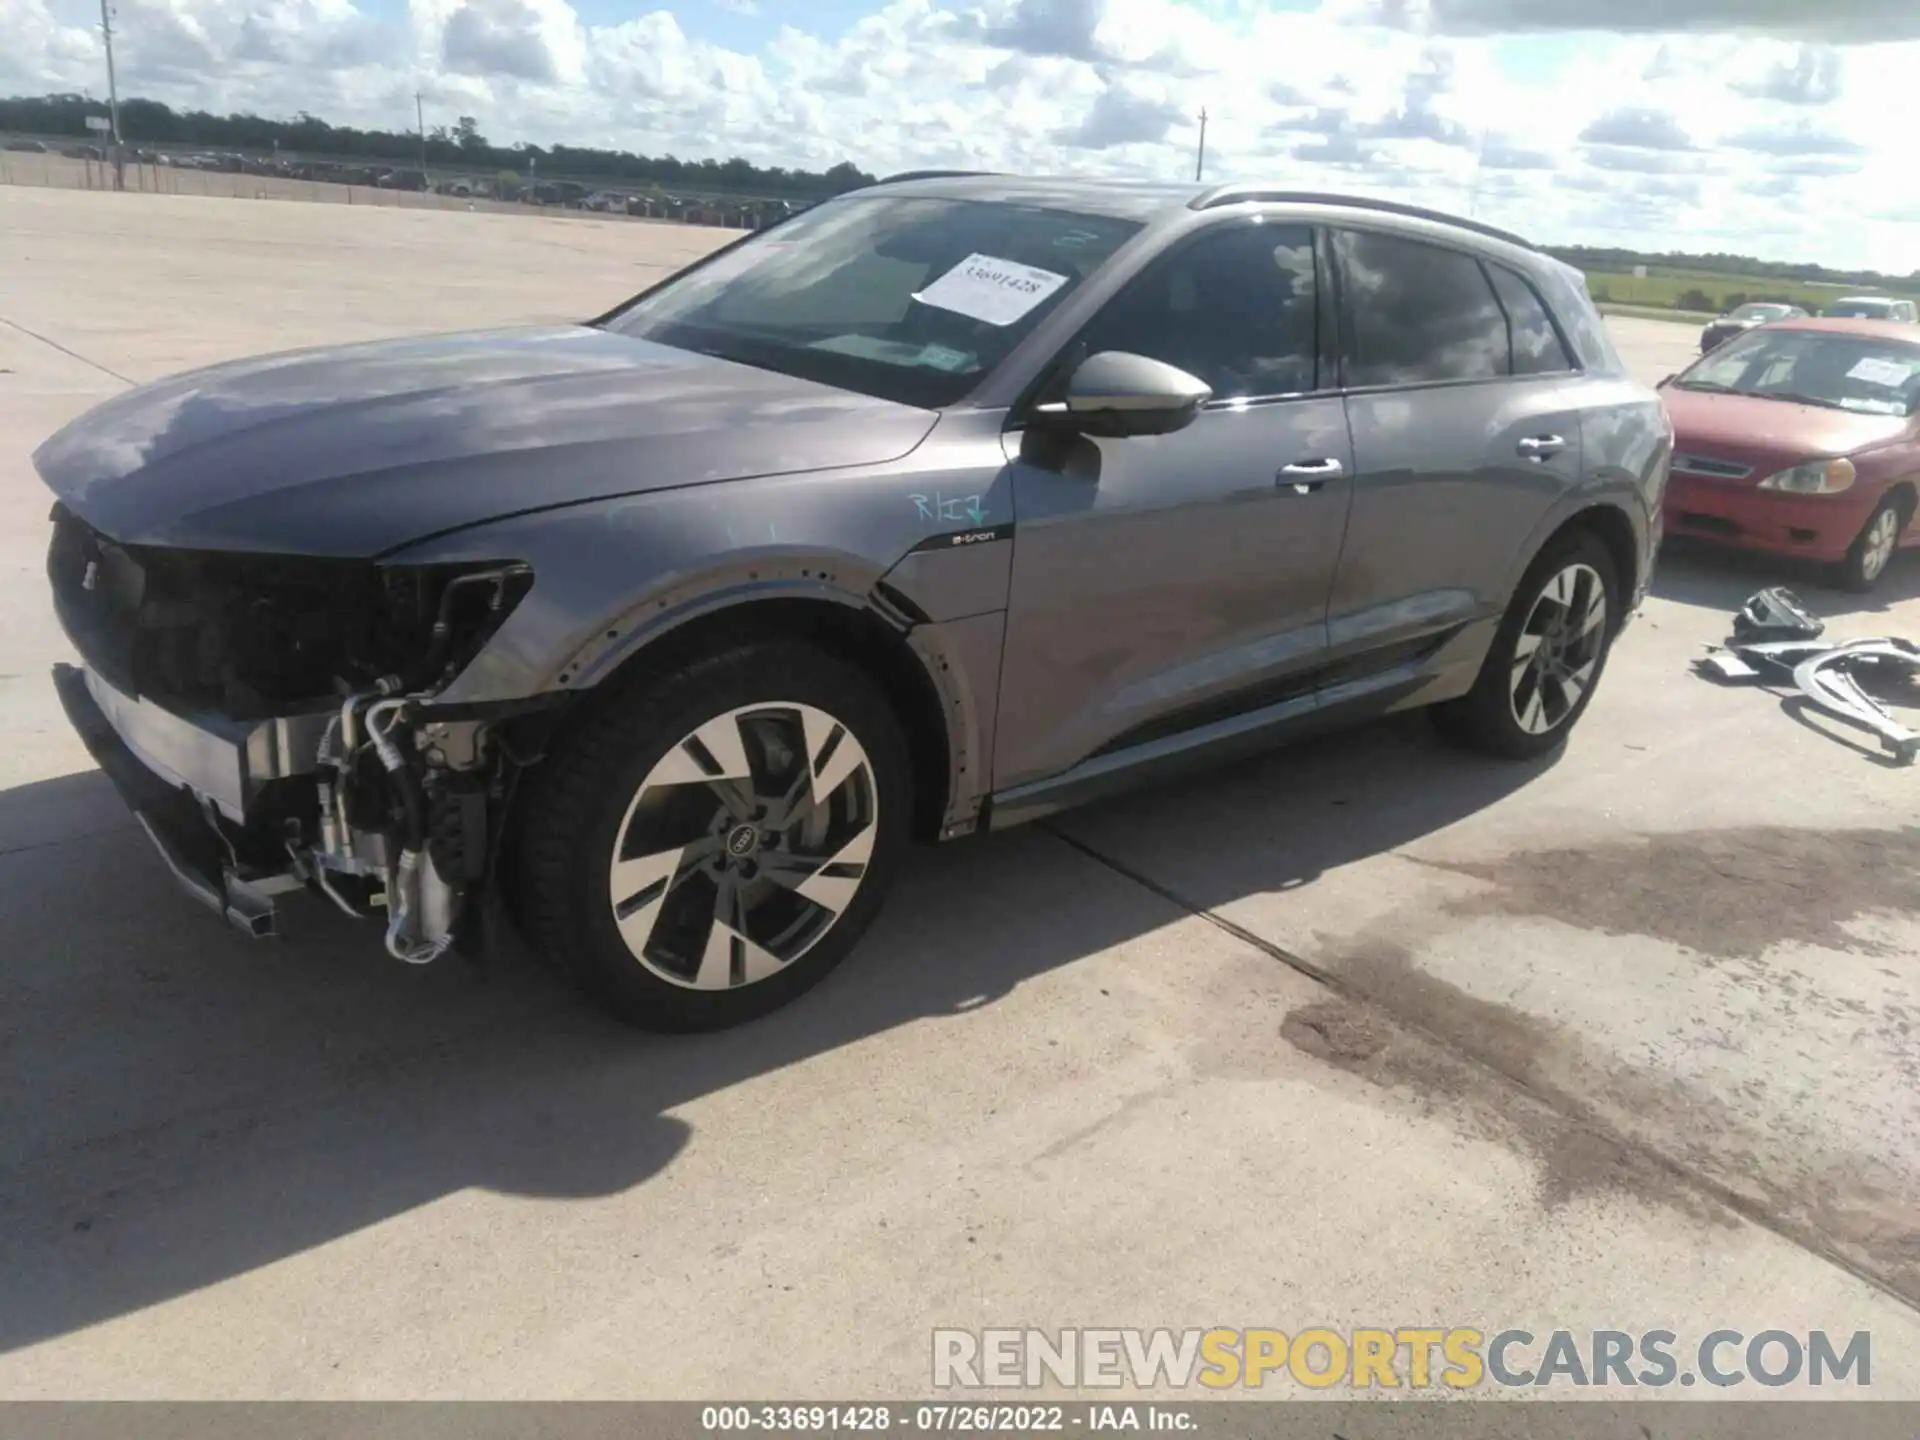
(1815, 477)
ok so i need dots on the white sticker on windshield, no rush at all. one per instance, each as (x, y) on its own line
(1875, 371)
(996, 291)
(941, 358)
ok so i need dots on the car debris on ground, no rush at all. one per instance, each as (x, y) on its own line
(1775, 638)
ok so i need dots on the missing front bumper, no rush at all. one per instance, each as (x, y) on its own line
(227, 762)
(171, 816)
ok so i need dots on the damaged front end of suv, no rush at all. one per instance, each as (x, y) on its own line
(271, 720)
(333, 607)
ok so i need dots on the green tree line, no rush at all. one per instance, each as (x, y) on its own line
(1615, 262)
(150, 123)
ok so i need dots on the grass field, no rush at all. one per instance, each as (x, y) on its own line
(1685, 290)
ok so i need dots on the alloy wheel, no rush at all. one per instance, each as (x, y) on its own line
(1881, 537)
(743, 845)
(1558, 649)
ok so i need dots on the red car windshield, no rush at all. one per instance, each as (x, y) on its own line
(1862, 373)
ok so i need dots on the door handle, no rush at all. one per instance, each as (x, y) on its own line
(1539, 447)
(1307, 476)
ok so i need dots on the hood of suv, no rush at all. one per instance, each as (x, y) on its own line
(354, 450)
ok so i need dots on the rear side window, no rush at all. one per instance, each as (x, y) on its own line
(1417, 313)
(1537, 349)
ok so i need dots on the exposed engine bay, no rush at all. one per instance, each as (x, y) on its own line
(397, 820)
(279, 716)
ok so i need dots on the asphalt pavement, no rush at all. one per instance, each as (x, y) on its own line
(1361, 1033)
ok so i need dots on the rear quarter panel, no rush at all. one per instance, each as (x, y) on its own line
(1626, 438)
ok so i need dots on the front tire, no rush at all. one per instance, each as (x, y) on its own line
(1873, 548)
(701, 852)
(1547, 657)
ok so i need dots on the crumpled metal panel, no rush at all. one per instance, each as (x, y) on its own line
(1821, 670)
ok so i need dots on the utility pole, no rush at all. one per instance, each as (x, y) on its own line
(1200, 159)
(113, 87)
(420, 114)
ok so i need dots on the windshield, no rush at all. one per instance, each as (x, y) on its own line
(908, 300)
(1759, 312)
(1860, 310)
(1862, 373)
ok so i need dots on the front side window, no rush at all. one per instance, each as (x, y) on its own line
(1418, 314)
(1235, 308)
(909, 300)
(1862, 373)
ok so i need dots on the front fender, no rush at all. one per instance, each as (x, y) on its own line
(925, 545)
(610, 574)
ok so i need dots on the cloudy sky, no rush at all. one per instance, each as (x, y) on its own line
(1784, 128)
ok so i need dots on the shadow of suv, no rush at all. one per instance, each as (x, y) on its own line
(934, 508)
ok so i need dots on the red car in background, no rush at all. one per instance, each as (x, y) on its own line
(1802, 438)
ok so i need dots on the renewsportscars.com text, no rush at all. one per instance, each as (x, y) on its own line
(1415, 1358)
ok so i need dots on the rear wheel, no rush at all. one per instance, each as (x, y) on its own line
(1874, 546)
(701, 853)
(1546, 659)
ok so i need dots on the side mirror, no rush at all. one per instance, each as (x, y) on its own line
(1117, 394)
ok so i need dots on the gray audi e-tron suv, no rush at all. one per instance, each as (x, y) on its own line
(935, 508)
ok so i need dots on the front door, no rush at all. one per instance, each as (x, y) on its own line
(1163, 582)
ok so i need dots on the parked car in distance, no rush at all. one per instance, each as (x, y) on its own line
(1873, 307)
(1743, 318)
(1802, 438)
(937, 508)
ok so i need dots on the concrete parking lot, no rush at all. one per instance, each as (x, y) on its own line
(1364, 1033)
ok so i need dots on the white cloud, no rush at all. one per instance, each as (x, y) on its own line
(1855, 21)
(1768, 126)
(1811, 76)
(1123, 114)
(1638, 129)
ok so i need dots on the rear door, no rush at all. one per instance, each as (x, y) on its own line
(1465, 431)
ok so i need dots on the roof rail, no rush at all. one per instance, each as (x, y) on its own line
(1245, 194)
(931, 175)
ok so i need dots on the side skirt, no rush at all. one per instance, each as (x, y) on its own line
(1209, 746)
